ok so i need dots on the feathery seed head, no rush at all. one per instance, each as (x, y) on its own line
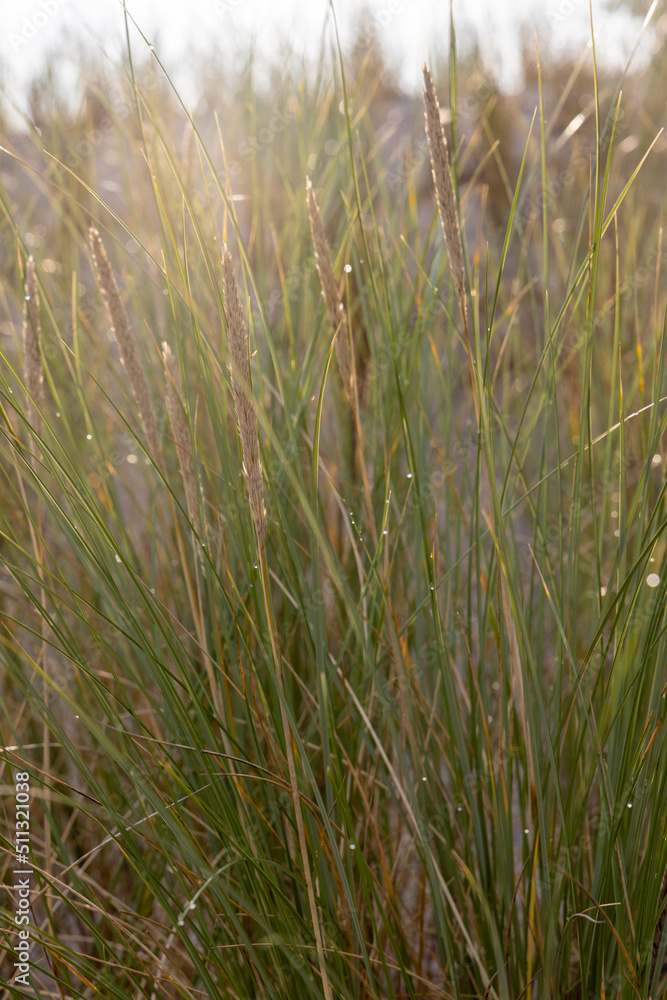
(32, 332)
(181, 431)
(444, 188)
(332, 301)
(125, 338)
(245, 408)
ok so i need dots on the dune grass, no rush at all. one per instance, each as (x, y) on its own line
(376, 710)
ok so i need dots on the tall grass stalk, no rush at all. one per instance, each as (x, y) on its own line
(340, 326)
(34, 382)
(181, 432)
(126, 339)
(32, 335)
(252, 471)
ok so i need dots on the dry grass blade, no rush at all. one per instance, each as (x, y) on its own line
(245, 408)
(126, 341)
(444, 188)
(181, 431)
(334, 306)
(343, 343)
(32, 332)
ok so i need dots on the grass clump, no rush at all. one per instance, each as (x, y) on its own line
(336, 688)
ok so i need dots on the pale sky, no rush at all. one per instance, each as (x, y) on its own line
(410, 30)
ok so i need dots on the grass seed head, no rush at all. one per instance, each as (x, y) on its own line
(332, 301)
(444, 187)
(126, 340)
(243, 402)
(181, 431)
(32, 334)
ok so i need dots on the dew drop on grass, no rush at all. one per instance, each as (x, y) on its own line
(409, 476)
(353, 847)
(459, 809)
(181, 922)
(385, 532)
(652, 580)
(526, 831)
(629, 805)
(656, 460)
(89, 437)
(603, 591)
(27, 298)
(424, 778)
(192, 906)
(347, 268)
(57, 414)
(117, 558)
